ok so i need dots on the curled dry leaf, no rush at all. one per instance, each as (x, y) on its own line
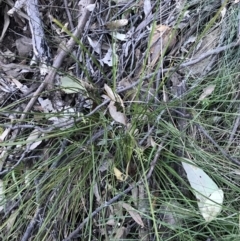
(95, 45)
(163, 38)
(116, 115)
(113, 96)
(110, 58)
(134, 214)
(206, 92)
(119, 175)
(116, 24)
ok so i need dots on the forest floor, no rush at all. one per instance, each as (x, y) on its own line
(119, 120)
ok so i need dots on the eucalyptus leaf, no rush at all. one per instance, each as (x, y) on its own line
(208, 194)
(71, 86)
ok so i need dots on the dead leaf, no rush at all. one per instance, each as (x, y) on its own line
(96, 192)
(116, 24)
(110, 93)
(208, 42)
(6, 23)
(110, 58)
(116, 115)
(134, 214)
(163, 39)
(11, 220)
(71, 86)
(91, 7)
(206, 92)
(95, 45)
(147, 8)
(111, 220)
(113, 96)
(4, 134)
(119, 175)
(120, 234)
(46, 105)
(119, 36)
(33, 139)
(24, 46)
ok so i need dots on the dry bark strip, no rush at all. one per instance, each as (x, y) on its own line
(40, 47)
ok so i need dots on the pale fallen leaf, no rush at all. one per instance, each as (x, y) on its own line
(91, 7)
(110, 93)
(32, 140)
(223, 12)
(206, 92)
(6, 23)
(110, 58)
(134, 214)
(11, 220)
(119, 36)
(212, 206)
(147, 8)
(163, 39)
(4, 134)
(116, 115)
(119, 175)
(23, 88)
(209, 196)
(113, 96)
(71, 86)
(116, 24)
(96, 193)
(3, 156)
(46, 105)
(111, 220)
(95, 45)
(66, 118)
(120, 234)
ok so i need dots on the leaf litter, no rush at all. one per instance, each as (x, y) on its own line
(117, 81)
